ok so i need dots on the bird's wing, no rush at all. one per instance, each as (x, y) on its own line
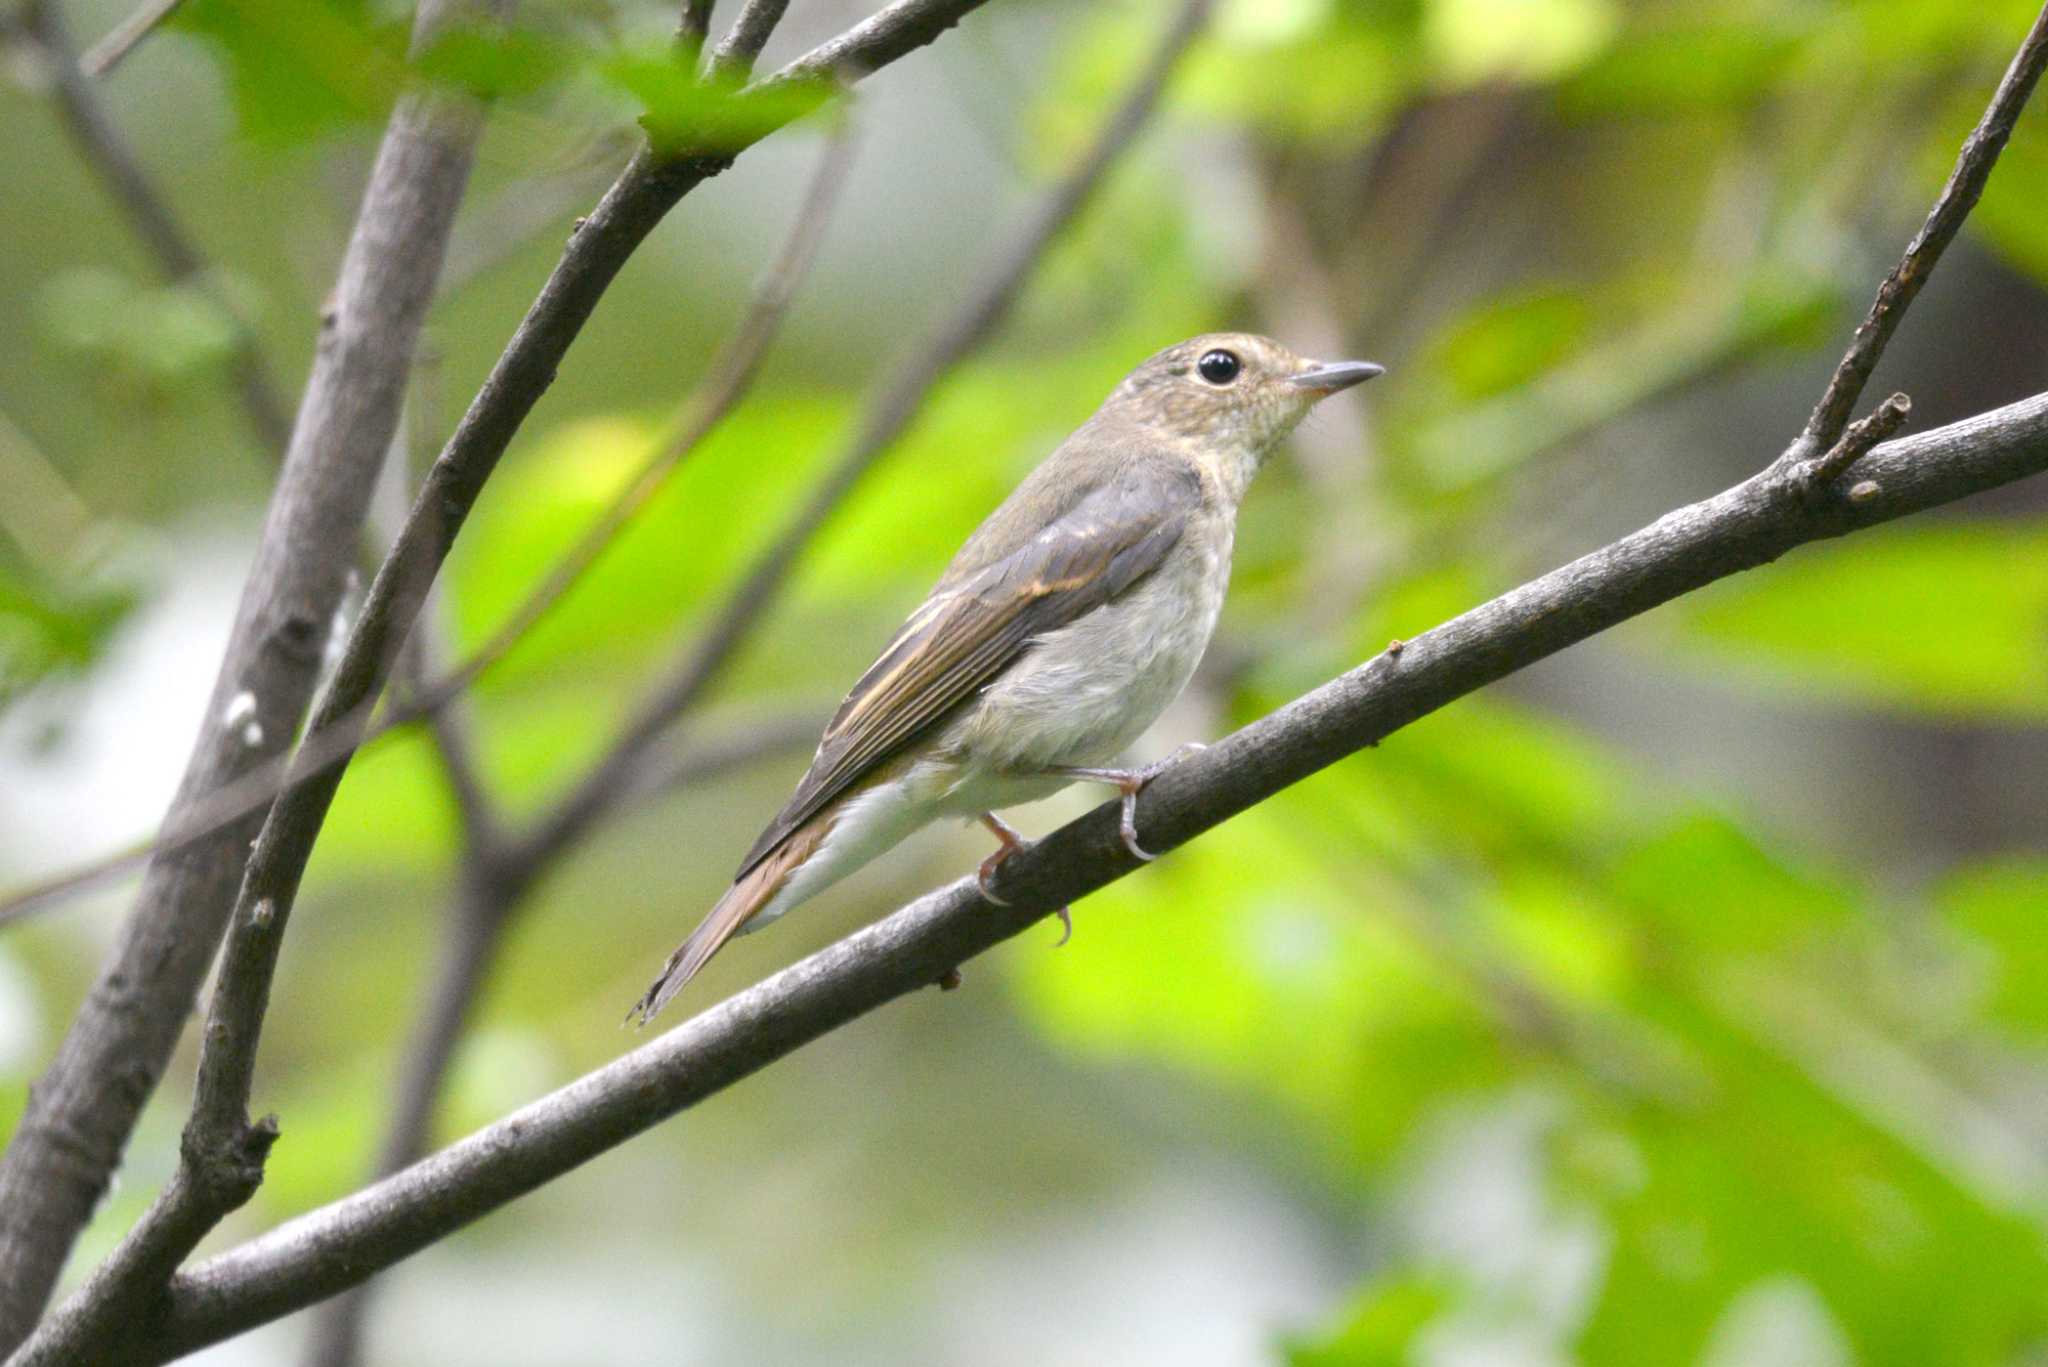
(967, 632)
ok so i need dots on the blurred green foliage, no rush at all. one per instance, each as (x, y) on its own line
(1732, 1069)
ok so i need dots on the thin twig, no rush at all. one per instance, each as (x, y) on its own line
(1958, 196)
(885, 419)
(695, 23)
(148, 213)
(1855, 443)
(336, 1246)
(734, 56)
(103, 56)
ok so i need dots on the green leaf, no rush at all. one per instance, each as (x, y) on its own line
(1477, 41)
(1380, 1327)
(685, 115)
(1950, 619)
(2004, 906)
(498, 64)
(1709, 880)
(1684, 65)
(300, 68)
(49, 629)
(1506, 342)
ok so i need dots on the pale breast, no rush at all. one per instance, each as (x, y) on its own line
(1081, 694)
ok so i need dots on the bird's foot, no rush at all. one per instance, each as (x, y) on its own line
(1131, 782)
(1011, 842)
(1008, 843)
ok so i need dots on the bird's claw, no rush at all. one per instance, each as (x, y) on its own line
(1011, 843)
(1132, 782)
(987, 872)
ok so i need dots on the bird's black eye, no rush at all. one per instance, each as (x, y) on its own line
(1219, 367)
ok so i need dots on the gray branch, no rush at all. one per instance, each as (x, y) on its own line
(111, 50)
(81, 1113)
(1958, 196)
(330, 1249)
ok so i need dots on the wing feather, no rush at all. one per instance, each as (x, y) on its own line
(1109, 538)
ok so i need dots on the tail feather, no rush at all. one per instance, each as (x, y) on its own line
(744, 900)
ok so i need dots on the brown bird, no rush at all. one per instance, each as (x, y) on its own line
(1068, 622)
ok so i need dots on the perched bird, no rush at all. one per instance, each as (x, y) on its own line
(1068, 622)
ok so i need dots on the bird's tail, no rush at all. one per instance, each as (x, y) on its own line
(742, 902)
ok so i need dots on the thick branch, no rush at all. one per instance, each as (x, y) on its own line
(1958, 196)
(81, 1113)
(335, 1247)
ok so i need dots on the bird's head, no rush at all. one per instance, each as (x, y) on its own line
(1229, 393)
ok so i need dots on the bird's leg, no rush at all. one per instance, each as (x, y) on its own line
(1011, 843)
(1130, 782)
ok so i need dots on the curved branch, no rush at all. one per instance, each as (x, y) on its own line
(330, 1249)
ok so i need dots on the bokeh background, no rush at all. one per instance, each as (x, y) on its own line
(1682, 1000)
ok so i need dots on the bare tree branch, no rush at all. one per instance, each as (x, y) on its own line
(80, 1114)
(892, 411)
(103, 56)
(330, 1249)
(734, 56)
(103, 148)
(494, 880)
(54, 1180)
(696, 21)
(1958, 196)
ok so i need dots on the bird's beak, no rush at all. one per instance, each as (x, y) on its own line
(1330, 376)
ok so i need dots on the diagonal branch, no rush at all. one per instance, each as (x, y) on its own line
(108, 53)
(82, 1111)
(336, 1246)
(1958, 196)
(734, 56)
